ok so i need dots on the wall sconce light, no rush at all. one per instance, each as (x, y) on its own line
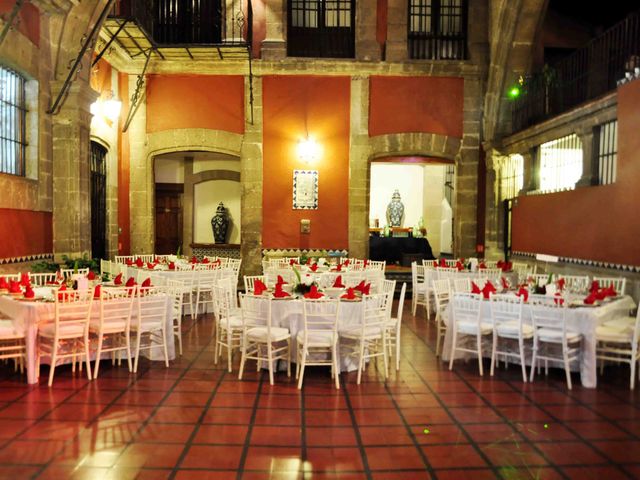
(308, 150)
(108, 109)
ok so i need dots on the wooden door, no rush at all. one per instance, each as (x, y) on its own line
(98, 165)
(168, 220)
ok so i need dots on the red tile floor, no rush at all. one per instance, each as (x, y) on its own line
(196, 421)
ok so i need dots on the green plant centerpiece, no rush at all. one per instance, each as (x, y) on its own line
(303, 282)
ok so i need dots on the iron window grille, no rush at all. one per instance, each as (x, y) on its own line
(321, 28)
(560, 163)
(607, 149)
(438, 29)
(511, 177)
(13, 115)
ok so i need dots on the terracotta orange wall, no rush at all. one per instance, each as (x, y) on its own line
(124, 237)
(25, 232)
(28, 19)
(100, 79)
(195, 101)
(322, 103)
(593, 223)
(416, 104)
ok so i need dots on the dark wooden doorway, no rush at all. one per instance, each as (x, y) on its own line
(98, 165)
(168, 217)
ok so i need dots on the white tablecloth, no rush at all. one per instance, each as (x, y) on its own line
(27, 316)
(582, 319)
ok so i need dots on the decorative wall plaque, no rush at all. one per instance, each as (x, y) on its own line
(305, 189)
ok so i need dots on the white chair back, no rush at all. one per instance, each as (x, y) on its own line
(41, 279)
(115, 307)
(506, 309)
(466, 307)
(250, 281)
(462, 285)
(320, 314)
(72, 312)
(576, 283)
(619, 283)
(152, 307)
(376, 265)
(441, 293)
(549, 313)
(69, 272)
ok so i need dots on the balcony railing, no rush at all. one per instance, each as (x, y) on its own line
(588, 73)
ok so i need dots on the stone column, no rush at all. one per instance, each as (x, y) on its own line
(589, 159)
(142, 188)
(367, 47)
(531, 180)
(397, 17)
(251, 184)
(187, 207)
(359, 179)
(493, 160)
(71, 172)
(273, 46)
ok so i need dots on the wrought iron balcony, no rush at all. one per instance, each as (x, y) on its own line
(586, 74)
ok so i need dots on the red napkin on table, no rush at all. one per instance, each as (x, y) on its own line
(129, 262)
(118, 279)
(601, 294)
(24, 280)
(156, 260)
(346, 263)
(293, 262)
(366, 289)
(443, 263)
(610, 291)
(150, 265)
(280, 281)
(130, 282)
(505, 283)
(313, 293)
(524, 293)
(360, 286)
(338, 282)
(308, 261)
(366, 263)
(96, 292)
(499, 263)
(507, 266)
(91, 275)
(279, 293)
(488, 290)
(435, 264)
(205, 260)
(482, 265)
(29, 293)
(338, 267)
(350, 295)
(172, 266)
(459, 266)
(258, 287)
(590, 299)
(62, 296)
(475, 288)
(314, 267)
(194, 259)
(217, 262)
(595, 286)
(139, 263)
(14, 287)
(558, 300)
(59, 277)
(3, 283)
(146, 283)
(560, 283)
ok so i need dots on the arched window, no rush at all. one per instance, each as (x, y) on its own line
(13, 115)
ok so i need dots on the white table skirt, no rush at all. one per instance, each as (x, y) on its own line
(583, 320)
(27, 316)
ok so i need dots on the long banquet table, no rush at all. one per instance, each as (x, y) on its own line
(584, 320)
(28, 316)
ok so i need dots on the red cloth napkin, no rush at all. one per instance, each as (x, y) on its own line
(150, 265)
(62, 296)
(129, 262)
(313, 293)
(281, 281)
(314, 267)
(194, 259)
(610, 291)
(205, 260)
(347, 262)
(507, 266)
(338, 282)
(118, 279)
(360, 286)
(258, 287)
(524, 293)
(293, 262)
(279, 293)
(91, 275)
(558, 300)
(139, 263)
(14, 287)
(595, 286)
(601, 294)
(366, 289)
(29, 293)
(156, 260)
(350, 295)
(560, 283)
(475, 288)
(96, 292)
(366, 263)
(435, 264)
(590, 299)
(130, 282)
(308, 261)
(338, 267)
(3, 283)
(443, 263)
(24, 280)
(482, 265)
(488, 289)
(505, 284)
(499, 263)
(459, 266)
(172, 266)
(146, 283)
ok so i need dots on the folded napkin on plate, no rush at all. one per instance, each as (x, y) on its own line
(279, 293)
(24, 279)
(97, 292)
(3, 283)
(59, 277)
(293, 262)
(194, 260)
(129, 262)
(29, 293)
(364, 288)
(524, 293)
(314, 267)
(350, 295)
(130, 282)
(475, 288)
(338, 267)
(172, 266)
(156, 260)
(590, 299)
(610, 291)
(146, 283)
(443, 263)
(62, 288)
(499, 263)
(435, 264)
(488, 289)
(505, 283)
(601, 294)
(459, 266)
(139, 262)
(561, 283)
(366, 263)
(507, 266)
(258, 287)
(151, 266)
(595, 286)
(91, 275)
(338, 282)
(280, 281)
(205, 260)
(62, 296)
(14, 287)
(558, 300)
(118, 279)
(346, 262)
(313, 293)
(308, 261)
(482, 265)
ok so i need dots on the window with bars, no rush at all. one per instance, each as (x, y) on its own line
(321, 28)
(607, 149)
(560, 163)
(438, 29)
(511, 177)
(13, 113)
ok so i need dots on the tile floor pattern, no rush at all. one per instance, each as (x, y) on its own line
(196, 421)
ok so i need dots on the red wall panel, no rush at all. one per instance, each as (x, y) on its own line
(25, 232)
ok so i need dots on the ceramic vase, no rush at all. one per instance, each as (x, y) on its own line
(220, 224)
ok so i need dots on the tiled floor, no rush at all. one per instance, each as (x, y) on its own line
(196, 421)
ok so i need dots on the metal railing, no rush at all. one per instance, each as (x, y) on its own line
(588, 73)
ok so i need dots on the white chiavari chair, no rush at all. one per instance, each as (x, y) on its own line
(69, 272)
(150, 323)
(229, 329)
(619, 283)
(575, 283)
(461, 285)
(441, 294)
(420, 291)
(205, 281)
(176, 291)
(394, 325)
(12, 343)
(145, 258)
(42, 279)
(376, 265)
(620, 344)
(124, 258)
(466, 322)
(250, 281)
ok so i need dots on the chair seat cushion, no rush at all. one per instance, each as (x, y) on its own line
(511, 329)
(317, 338)
(7, 330)
(614, 334)
(64, 331)
(234, 321)
(555, 336)
(261, 334)
(146, 326)
(471, 328)
(107, 327)
(621, 322)
(356, 333)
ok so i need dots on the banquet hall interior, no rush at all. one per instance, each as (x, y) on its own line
(300, 239)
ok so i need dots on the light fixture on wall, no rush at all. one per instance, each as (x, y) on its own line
(309, 150)
(107, 108)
